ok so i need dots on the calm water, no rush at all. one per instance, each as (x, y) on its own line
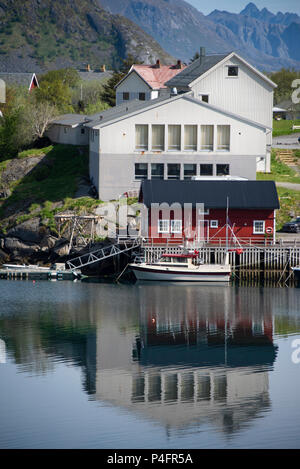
(148, 366)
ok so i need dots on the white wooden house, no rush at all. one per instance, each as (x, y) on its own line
(144, 82)
(175, 137)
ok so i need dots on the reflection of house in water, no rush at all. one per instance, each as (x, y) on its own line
(192, 362)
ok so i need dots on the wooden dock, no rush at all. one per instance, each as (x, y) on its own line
(261, 258)
(35, 274)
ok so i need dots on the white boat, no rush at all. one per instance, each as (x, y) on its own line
(185, 267)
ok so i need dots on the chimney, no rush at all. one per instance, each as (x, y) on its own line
(202, 54)
(103, 68)
(88, 68)
(179, 64)
(157, 65)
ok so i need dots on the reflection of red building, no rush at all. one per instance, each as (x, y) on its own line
(252, 206)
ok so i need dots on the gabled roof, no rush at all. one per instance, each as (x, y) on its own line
(20, 79)
(130, 108)
(155, 77)
(195, 70)
(202, 66)
(213, 194)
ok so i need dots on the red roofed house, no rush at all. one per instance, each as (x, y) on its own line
(146, 82)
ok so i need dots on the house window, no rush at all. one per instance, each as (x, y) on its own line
(82, 131)
(141, 171)
(142, 96)
(174, 137)
(222, 169)
(163, 226)
(204, 98)
(258, 227)
(223, 137)
(176, 226)
(206, 169)
(157, 171)
(207, 137)
(174, 171)
(158, 137)
(214, 223)
(190, 137)
(233, 71)
(190, 170)
(126, 96)
(141, 137)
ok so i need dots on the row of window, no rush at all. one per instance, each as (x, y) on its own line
(173, 170)
(175, 226)
(191, 139)
(126, 96)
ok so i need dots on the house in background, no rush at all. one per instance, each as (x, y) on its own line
(20, 79)
(175, 137)
(144, 82)
(252, 210)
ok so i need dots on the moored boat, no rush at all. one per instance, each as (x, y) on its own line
(185, 267)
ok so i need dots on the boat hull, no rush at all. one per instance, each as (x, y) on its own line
(203, 275)
(296, 271)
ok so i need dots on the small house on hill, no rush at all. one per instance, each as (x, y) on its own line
(20, 79)
(175, 210)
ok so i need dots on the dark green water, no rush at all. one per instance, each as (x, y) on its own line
(148, 366)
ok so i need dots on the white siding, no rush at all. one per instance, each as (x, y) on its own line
(247, 95)
(245, 139)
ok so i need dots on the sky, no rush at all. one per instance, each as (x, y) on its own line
(235, 6)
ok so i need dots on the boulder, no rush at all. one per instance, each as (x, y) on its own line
(61, 248)
(28, 231)
(19, 248)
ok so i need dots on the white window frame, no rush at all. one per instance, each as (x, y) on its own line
(163, 229)
(175, 229)
(255, 231)
(214, 223)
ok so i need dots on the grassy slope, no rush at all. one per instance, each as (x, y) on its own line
(49, 188)
(289, 199)
(71, 32)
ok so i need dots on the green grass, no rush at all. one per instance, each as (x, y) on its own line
(289, 203)
(280, 172)
(284, 127)
(54, 180)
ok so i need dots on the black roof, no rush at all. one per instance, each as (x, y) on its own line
(195, 70)
(213, 194)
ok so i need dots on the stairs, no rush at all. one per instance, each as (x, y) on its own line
(287, 157)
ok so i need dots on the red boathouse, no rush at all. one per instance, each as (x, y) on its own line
(197, 210)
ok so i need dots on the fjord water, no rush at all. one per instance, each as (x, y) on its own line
(100, 365)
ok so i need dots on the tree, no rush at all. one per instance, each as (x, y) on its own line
(283, 79)
(40, 117)
(56, 88)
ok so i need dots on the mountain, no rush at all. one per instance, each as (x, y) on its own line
(37, 35)
(267, 40)
(175, 24)
(264, 32)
